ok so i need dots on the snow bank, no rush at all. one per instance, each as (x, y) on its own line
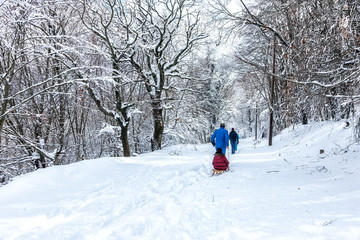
(288, 190)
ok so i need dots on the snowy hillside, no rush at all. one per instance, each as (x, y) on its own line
(286, 191)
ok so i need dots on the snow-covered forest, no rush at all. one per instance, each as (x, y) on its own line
(84, 79)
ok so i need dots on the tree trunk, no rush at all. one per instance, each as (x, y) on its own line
(136, 137)
(272, 95)
(256, 122)
(125, 140)
(158, 125)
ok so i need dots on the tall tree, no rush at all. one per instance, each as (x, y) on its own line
(316, 69)
(152, 37)
(105, 19)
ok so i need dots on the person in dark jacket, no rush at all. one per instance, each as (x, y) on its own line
(220, 138)
(234, 140)
(220, 161)
(236, 145)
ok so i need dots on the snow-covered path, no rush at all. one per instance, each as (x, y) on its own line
(277, 192)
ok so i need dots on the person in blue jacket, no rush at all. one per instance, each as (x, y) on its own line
(220, 138)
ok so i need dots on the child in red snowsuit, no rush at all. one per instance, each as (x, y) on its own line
(220, 161)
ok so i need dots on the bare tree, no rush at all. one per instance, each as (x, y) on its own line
(316, 63)
(37, 83)
(169, 31)
(150, 36)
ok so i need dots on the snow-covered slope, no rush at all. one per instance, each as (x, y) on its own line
(286, 191)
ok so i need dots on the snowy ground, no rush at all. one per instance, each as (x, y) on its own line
(286, 191)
